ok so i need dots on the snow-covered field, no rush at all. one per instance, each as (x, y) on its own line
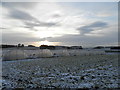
(18, 54)
(85, 71)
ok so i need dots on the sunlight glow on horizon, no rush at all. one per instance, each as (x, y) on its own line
(46, 42)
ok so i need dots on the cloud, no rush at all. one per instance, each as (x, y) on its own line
(24, 13)
(111, 38)
(92, 27)
(24, 5)
(70, 25)
(56, 15)
(29, 20)
(2, 28)
(21, 15)
(104, 14)
(18, 37)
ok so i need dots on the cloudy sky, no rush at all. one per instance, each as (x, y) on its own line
(60, 23)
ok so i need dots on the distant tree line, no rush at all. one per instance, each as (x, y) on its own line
(111, 47)
(31, 46)
(56, 47)
(10, 46)
(115, 47)
(60, 47)
(47, 47)
(99, 47)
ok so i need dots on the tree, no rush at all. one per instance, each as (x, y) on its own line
(22, 45)
(19, 45)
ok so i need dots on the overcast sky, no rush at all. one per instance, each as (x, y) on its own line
(60, 23)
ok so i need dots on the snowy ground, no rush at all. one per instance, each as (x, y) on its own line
(18, 54)
(93, 71)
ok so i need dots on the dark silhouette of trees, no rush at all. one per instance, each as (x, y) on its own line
(8, 46)
(20, 45)
(31, 46)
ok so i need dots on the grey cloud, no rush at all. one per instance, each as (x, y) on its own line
(56, 15)
(42, 24)
(18, 38)
(18, 14)
(29, 20)
(43, 39)
(31, 25)
(98, 24)
(3, 28)
(85, 41)
(16, 11)
(15, 38)
(94, 26)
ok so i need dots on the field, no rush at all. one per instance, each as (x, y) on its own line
(85, 71)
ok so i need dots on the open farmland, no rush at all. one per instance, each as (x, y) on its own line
(86, 71)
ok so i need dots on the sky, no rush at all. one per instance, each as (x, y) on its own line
(86, 24)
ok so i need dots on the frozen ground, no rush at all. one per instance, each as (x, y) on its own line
(18, 54)
(93, 71)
